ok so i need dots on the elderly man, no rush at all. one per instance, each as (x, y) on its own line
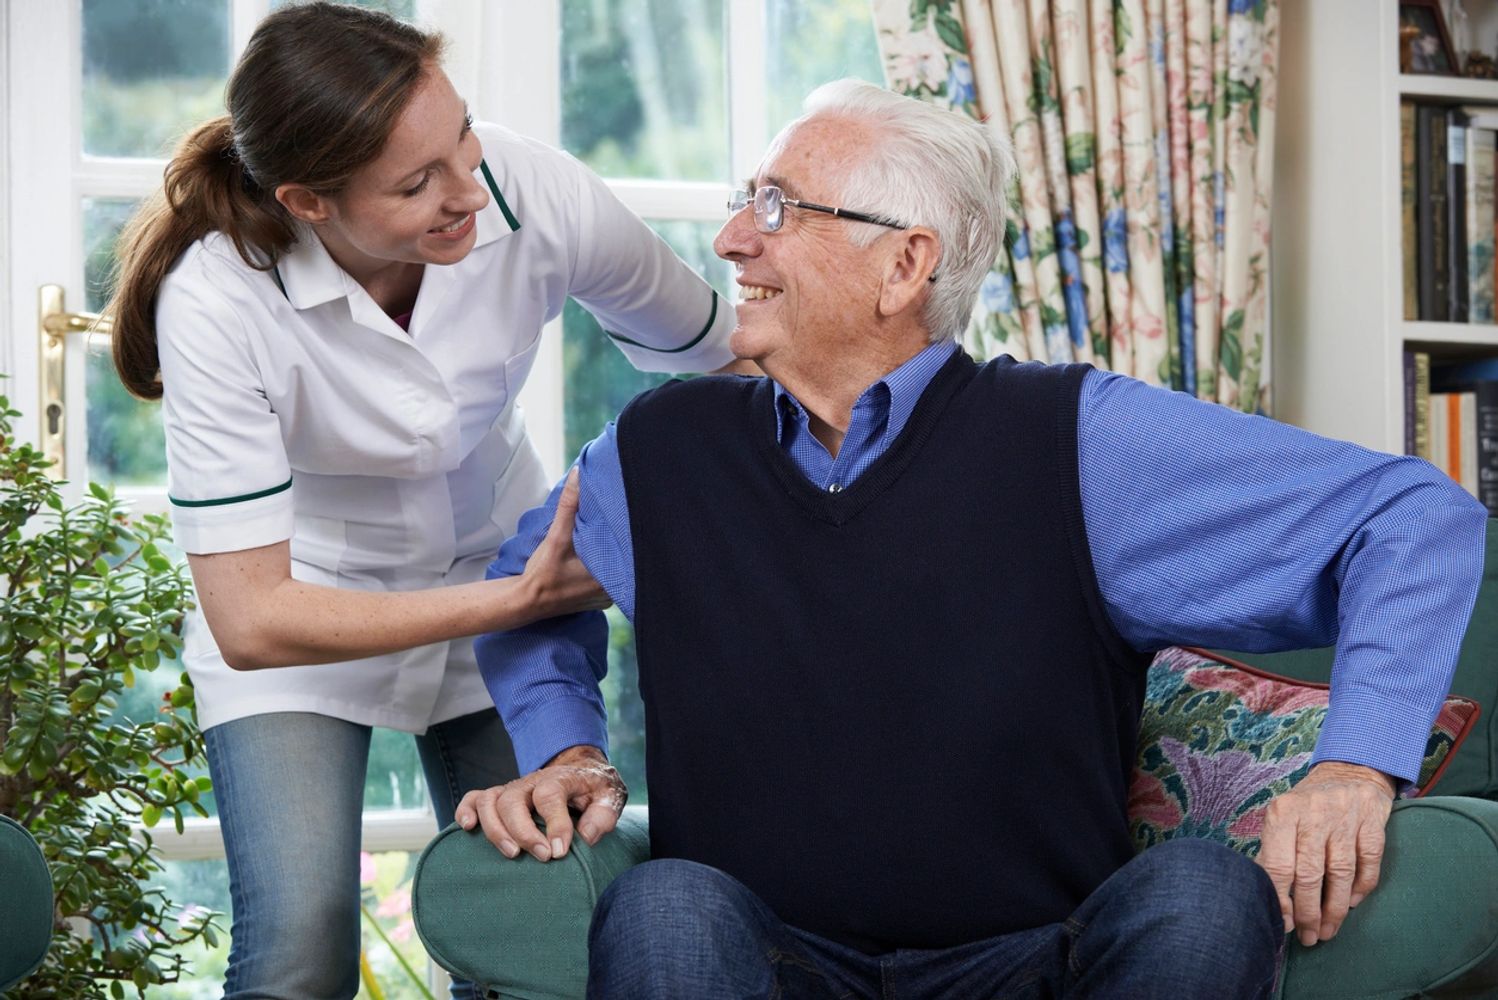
(894, 608)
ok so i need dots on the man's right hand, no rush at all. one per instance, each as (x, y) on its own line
(580, 777)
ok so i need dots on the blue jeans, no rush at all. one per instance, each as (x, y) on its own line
(1187, 919)
(290, 790)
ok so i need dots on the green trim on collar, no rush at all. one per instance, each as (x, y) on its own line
(494, 189)
(228, 500)
(711, 318)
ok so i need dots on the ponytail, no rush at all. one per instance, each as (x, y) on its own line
(206, 189)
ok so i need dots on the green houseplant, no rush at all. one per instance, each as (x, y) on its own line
(88, 601)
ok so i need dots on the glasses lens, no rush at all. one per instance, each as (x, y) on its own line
(768, 211)
(737, 201)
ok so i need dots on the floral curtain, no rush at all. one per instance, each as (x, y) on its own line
(1143, 129)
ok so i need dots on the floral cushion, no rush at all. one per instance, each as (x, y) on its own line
(1219, 739)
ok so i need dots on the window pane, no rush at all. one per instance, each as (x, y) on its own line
(599, 381)
(809, 42)
(205, 885)
(384, 891)
(125, 444)
(644, 87)
(152, 69)
(394, 779)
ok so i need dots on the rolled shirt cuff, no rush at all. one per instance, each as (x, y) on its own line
(231, 524)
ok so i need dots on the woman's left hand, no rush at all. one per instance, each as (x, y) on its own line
(555, 578)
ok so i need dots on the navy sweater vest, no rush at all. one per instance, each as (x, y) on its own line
(898, 713)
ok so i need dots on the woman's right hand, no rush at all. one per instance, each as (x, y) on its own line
(556, 579)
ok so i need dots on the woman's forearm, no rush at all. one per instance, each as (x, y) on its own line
(262, 617)
(295, 623)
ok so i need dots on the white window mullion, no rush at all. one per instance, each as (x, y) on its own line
(246, 15)
(747, 110)
(117, 177)
(694, 202)
(382, 831)
(520, 87)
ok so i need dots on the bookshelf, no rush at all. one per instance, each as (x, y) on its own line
(1337, 298)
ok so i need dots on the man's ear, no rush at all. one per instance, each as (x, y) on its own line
(908, 270)
(303, 203)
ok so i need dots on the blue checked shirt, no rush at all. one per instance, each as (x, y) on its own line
(1207, 527)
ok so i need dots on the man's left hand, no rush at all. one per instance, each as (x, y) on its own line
(1322, 845)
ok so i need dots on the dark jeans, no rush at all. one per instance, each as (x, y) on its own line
(1188, 919)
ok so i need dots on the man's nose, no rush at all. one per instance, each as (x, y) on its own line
(738, 238)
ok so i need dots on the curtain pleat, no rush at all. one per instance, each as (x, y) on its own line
(1110, 177)
(1143, 134)
(1204, 242)
(1074, 76)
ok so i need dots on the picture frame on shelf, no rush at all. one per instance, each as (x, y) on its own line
(1424, 44)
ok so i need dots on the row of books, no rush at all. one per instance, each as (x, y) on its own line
(1449, 214)
(1451, 419)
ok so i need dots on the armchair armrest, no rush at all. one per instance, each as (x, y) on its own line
(1431, 926)
(25, 904)
(518, 928)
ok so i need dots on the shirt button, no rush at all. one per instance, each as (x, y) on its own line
(835, 488)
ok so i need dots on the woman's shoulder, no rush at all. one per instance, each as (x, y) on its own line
(523, 167)
(211, 258)
(209, 278)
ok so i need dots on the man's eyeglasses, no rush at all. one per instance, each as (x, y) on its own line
(769, 209)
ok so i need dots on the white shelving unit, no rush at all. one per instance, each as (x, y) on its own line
(1338, 300)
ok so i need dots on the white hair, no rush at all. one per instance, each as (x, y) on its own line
(931, 167)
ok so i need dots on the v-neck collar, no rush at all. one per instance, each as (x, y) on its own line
(841, 507)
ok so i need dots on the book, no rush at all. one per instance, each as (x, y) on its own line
(1464, 441)
(1420, 403)
(1480, 208)
(1480, 377)
(1486, 116)
(1456, 215)
(1430, 211)
(1440, 431)
(1487, 445)
(1410, 253)
(1408, 368)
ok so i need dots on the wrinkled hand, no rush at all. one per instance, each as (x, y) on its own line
(1323, 843)
(559, 582)
(580, 777)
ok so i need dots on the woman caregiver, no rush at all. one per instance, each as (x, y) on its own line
(342, 286)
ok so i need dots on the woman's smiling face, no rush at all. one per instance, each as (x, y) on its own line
(415, 202)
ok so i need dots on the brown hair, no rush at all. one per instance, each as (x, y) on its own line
(314, 97)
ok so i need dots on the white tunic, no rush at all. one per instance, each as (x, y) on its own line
(396, 461)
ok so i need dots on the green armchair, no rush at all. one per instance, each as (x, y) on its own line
(25, 904)
(520, 928)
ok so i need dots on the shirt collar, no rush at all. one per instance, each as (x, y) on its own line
(902, 388)
(311, 277)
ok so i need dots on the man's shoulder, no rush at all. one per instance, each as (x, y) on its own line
(693, 394)
(1030, 377)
